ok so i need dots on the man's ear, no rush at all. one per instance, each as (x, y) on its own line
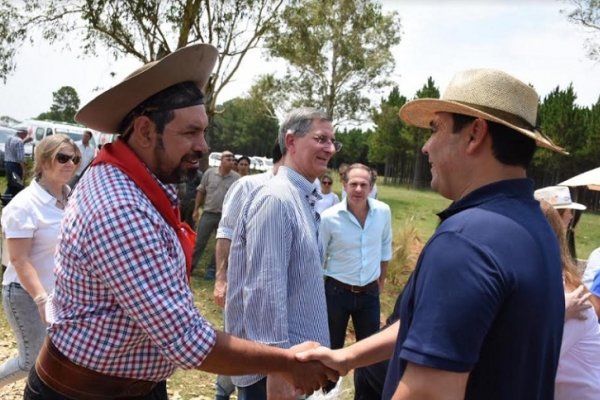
(290, 142)
(143, 133)
(477, 135)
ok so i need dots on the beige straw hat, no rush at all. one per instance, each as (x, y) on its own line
(486, 93)
(558, 196)
(192, 63)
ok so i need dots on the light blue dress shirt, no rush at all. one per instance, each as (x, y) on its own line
(353, 254)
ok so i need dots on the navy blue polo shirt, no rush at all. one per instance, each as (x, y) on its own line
(486, 297)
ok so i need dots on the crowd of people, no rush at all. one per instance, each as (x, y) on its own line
(97, 287)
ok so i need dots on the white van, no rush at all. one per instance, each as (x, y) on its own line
(40, 129)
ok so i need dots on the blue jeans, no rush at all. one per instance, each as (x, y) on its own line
(208, 224)
(25, 322)
(342, 304)
(223, 387)
(256, 391)
(38, 390)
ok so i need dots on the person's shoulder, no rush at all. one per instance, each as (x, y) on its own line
(333, 211)
(379, 205)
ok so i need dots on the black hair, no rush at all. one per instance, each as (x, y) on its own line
(244, 158)
(510, 147)
(159, 107)
(276, 153)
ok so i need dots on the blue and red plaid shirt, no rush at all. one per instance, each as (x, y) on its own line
(122, 301)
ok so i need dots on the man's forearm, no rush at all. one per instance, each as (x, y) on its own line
(375, 348)
(383, 266)
(222, 255)
(199, 200)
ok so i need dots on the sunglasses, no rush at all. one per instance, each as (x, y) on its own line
(65, 158)
(326, 183)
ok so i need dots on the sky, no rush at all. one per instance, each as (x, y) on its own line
(529, 39)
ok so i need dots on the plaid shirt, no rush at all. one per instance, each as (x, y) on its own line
(122, 302)
(14, 150)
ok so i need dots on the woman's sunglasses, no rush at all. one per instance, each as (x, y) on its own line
(65, 158)
(326, 183)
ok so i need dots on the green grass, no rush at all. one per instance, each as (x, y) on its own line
(414, 220)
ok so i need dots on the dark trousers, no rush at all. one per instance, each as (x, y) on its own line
(13, 170)
(208, 224)
(369, 381)
(256, 391)
(38, 390)
(342, 304)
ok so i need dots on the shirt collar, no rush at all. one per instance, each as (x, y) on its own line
(41, 193)
(508, 188)
(303, 184)
(344, 205)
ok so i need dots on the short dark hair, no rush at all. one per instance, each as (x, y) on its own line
(159, 107)
(359, 166)
(276, 153)
(244, 158)
(510, 147)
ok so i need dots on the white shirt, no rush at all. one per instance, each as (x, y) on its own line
(578, 375)
(326, 201)
(87, 155)
(33, 214)
(591, 270)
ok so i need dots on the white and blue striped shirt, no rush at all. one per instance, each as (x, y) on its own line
(275, 292)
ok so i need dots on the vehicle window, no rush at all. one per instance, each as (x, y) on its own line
(49, 132)
(39, 133)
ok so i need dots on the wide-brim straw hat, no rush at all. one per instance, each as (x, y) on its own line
(486, 93)
(558, 196)
(192, 63)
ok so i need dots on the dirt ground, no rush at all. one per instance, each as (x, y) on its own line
(8, 349)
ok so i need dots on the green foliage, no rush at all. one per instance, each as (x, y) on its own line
(144, 29)
(337, 51)
(587, 14)
(12, 34)
(355, 146)
(64, 106)
(244, 126)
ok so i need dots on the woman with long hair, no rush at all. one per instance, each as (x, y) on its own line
(31, 225)
(578, 375)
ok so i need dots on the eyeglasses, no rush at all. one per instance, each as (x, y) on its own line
(65, 158)
(326, 183)
(324, 140)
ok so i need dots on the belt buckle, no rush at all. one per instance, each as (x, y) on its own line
(355, 289)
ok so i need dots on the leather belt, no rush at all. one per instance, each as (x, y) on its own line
(353, 289)
(79, 383)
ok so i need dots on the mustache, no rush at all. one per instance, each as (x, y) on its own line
(193, 156)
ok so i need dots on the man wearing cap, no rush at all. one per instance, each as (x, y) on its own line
(481, 317)
(275, 291)
(123, 313)
(14, 163)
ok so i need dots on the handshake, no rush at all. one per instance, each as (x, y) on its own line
(314, 367)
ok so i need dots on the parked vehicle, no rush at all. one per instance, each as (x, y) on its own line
(5, 133)
(40, 129)
(214, 159)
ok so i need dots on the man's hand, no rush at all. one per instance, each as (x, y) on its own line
(305, 377)
(334, 359)
(196, 214)
(219, 292)
(278, 388)
(576, 302)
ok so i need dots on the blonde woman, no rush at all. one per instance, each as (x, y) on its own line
(31, 225)
(578, 375)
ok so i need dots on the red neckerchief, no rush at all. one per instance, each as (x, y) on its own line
(121, 156)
